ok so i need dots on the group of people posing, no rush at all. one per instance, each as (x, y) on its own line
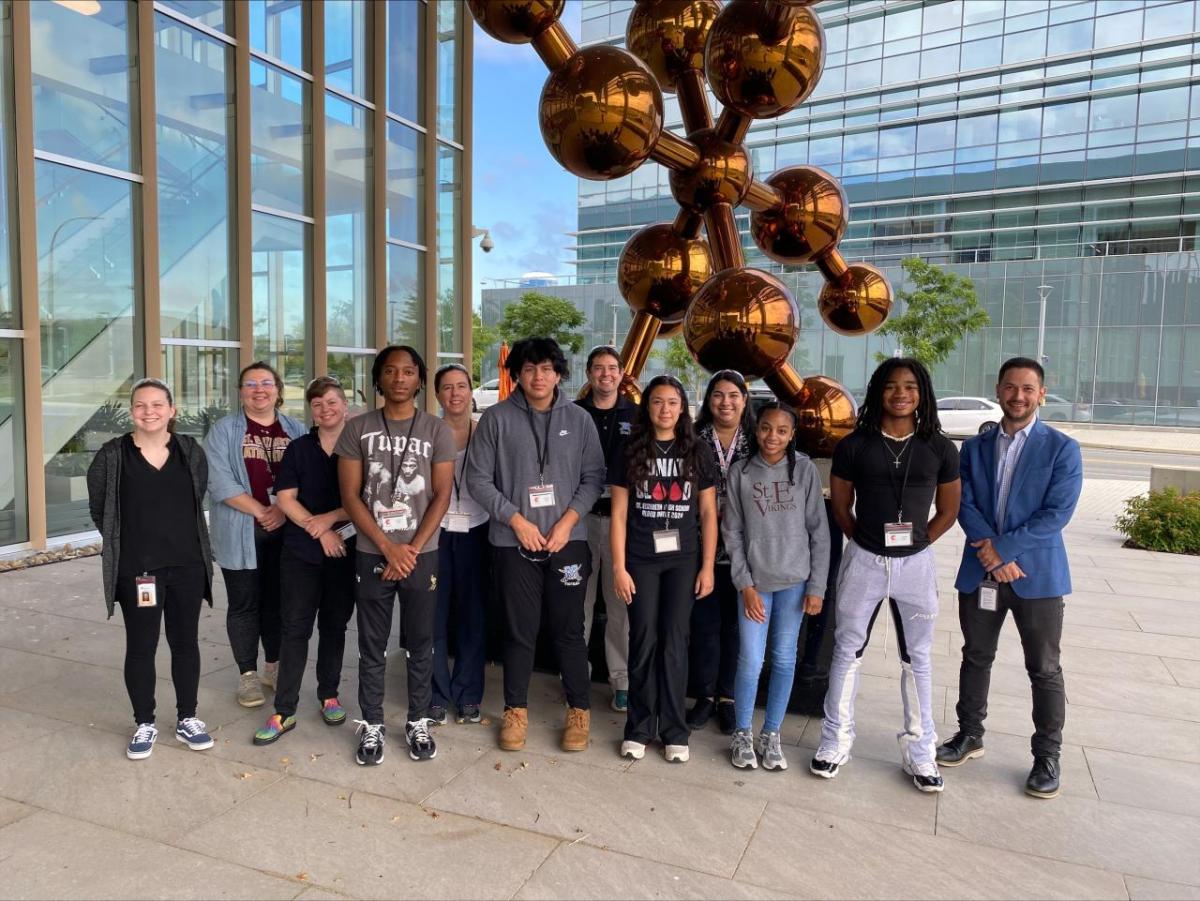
(709, 542)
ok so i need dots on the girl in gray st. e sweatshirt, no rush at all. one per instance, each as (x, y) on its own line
(777, 536)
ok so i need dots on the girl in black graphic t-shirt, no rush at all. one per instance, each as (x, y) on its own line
(664, 488)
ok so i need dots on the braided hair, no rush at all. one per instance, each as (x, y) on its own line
(870, 414)
(790, 450)
(638, 450)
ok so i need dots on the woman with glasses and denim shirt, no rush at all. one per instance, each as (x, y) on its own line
(245, 451)
(663, 498)
(144, 493)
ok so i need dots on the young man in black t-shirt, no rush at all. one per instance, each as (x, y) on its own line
(886, 474)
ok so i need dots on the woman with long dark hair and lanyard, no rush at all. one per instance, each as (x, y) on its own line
(462, 566)
(725, 425)
(664, 541)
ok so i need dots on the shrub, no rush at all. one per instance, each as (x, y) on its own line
(1163, 521)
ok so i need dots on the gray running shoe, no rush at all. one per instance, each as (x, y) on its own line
(249, 690)
(772, 753)
(741, 750)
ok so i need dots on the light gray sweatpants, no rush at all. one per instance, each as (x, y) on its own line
(864, 583)
(616, 632)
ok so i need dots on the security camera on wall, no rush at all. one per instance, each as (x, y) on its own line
(487, 244)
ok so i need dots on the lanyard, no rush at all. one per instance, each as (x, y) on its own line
(662, 454)
(899, 495)
(543, 450)
(392, 444)
(725, 459)
(457, 474)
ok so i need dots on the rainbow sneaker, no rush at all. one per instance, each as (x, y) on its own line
(333, 712)
(274, 729)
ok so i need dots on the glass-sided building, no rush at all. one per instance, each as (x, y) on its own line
(1018, 142)
(191, 185)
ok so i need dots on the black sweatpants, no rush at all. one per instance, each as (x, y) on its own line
(180, 591)
(313, 592)
(418, 606)
(659, 621)
(253, 613)
(1039, 623)
(713, 654)
(464, 582)
(560, 583)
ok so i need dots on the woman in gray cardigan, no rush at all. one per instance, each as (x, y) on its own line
(144, 494)
(244, 453)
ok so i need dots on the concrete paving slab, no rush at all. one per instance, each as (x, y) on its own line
(1133, 642)
(11, 811)
(582, 871)
(319, 894)
(1185, 672)
(634, 812)
(1142, 889)
(22, 730)
(1076, 830)
(1167, 701)
(792, 849)
(1130, 586)
(84, 774)
(1169, 625)
(1140, 781)
(368, 846)
(62, 857)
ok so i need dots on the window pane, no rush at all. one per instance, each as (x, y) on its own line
(347, 50)
(86, 266)
(202, 379)
(406, 312)
(81, 99)
(348, 252)
(1114, 112)
(448, 17)
(194, 98)
(1163, 106)
(10, 306)
(406, 58)
(281, 137)
(354, 372)
(278, 28)
(14, 526)
(449, 232)
(206, 12)
(405, 184)
(280, 278)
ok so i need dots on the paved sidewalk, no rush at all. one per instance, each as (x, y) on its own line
(300, 820)
(1184, 442)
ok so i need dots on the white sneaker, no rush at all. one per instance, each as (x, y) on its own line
(676, 753)
(270, 675)
(633, 750)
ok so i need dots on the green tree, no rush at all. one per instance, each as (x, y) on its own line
(544, 315)
(940, 310)
(678, 361)
(483, 339)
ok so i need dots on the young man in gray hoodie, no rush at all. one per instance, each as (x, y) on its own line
(537, 467)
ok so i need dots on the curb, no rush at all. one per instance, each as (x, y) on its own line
(1137, 449)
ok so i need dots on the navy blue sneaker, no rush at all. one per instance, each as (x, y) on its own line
(193, 733)
(142, 743)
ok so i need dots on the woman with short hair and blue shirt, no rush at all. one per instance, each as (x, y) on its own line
(245, 450)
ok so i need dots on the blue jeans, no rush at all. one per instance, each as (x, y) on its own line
(785, 613)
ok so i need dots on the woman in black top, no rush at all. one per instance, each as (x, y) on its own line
(144, 492)
(316, 572)
(663, 505)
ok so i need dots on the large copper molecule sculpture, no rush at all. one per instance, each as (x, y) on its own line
(601, 116)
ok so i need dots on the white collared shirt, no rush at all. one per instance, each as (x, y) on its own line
(1008, 453)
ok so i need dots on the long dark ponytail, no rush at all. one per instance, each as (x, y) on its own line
(790, 451)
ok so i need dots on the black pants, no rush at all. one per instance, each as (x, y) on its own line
(713, 654)
(253, 613)
(418, 606)
(659, 621)
(180, 590)
(560, 584)
(462, 589)
(1039, 623)
(313, 592)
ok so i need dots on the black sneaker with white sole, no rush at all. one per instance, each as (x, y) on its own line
(925, 777)
(437, 715)
(823, 766)
(421, 745)
(371, 739)
(469, 714)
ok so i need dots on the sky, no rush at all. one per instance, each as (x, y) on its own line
(520, 193)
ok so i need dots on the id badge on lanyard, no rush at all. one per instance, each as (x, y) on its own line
(541, 496)
(396, 520)
(146, 590)
(897, 534)
(457, 522)
(989, 595)
(666, 541)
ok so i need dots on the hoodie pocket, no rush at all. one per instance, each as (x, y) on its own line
(778, 559)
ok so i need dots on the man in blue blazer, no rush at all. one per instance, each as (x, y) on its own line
(1020, 484)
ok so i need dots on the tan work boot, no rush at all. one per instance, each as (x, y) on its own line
(575, 729)
(516, 724)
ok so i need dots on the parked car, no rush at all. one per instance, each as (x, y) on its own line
(485, 395)
(965, 416)
(1058, 409)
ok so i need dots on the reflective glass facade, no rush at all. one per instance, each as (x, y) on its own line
(1020, 142)
(190, 185)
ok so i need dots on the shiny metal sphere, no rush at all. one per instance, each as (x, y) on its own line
(601, 113)
(659, 271)
(858, 302)
(723, 174)
(669, 330)
(669, 35)
(825, 414)
(754, 74)
(516, 21)
(810, 220)
(742, 319)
